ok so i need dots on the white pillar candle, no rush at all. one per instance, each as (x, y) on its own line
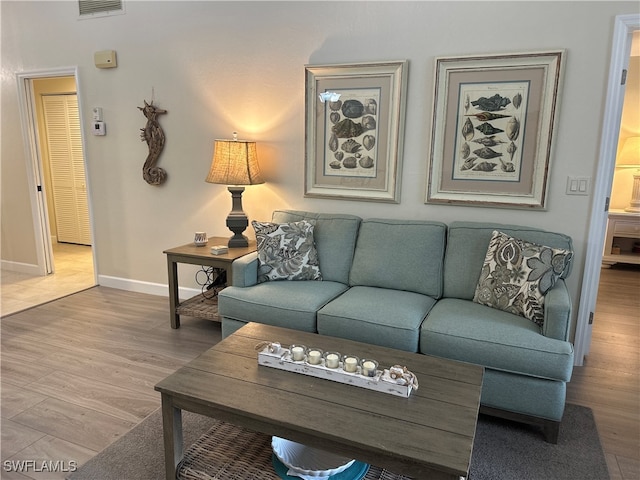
(368, 368)
(297, 353)
(332, 360)
(314, 357)
(350, 364)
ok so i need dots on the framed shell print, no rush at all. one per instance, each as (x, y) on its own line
(492, 129)
(354, 130)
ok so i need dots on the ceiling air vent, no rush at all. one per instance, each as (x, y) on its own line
(100, 8)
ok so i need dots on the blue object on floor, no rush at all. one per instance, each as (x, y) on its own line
(356, 471)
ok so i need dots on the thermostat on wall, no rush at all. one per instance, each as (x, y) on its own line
(99, 128)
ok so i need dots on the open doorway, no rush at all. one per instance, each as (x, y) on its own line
(51, 122)
(627, 165)
(624, 28)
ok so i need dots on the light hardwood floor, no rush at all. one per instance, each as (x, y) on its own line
(609, 381)
(73, 272)
(78, 373)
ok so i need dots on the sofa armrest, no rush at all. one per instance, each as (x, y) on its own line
(557, 312)
(245, 270)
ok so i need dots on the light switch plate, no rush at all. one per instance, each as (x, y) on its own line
(578, 185)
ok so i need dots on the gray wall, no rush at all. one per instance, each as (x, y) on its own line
(224, 66)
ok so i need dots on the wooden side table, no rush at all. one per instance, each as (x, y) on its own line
(194, 255)
(623, 231)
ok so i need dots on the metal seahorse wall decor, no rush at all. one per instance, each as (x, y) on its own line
(154, 136)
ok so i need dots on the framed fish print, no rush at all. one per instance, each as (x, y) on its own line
(492, 129)
(354, 130)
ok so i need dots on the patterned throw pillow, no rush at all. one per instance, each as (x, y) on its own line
(517, 274)
(286, 251)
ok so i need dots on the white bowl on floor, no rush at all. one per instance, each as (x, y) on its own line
(308, 462)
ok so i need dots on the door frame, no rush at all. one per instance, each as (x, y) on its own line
(37, 193)
(624, 27)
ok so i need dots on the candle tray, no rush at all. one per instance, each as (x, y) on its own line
(381, 382)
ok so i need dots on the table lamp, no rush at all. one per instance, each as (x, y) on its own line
(630, 158)
(235, 163)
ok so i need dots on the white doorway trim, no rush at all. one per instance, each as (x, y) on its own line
(624, 27)
(44, 248)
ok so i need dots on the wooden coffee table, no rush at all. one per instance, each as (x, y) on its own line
(428, 435)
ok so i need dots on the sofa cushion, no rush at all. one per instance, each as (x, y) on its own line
(474, 333)
(335, 237)
(286, 251)
(282, 304)
(378, 316)
(467, 244)
(401, 255)
(516, 276)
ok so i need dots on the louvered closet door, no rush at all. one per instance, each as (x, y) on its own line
(67, 168)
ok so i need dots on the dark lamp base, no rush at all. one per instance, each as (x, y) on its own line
(237, 220)
(238, 241)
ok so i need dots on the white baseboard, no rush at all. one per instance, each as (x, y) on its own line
(159, 289)
(19, 267)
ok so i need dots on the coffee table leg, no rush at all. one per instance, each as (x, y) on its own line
(172, 433)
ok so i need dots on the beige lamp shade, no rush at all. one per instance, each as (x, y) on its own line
(630, 158)
(235, 162)
(630, 154)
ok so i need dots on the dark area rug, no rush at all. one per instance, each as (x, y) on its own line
(503, 450)
(506, 450)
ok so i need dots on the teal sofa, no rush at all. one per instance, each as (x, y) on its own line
(409, 284)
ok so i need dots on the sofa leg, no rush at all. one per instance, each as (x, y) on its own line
(550, 428)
